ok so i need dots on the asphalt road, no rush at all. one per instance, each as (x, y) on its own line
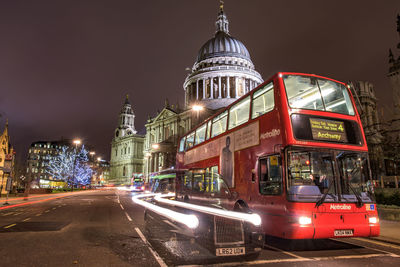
(105, 228)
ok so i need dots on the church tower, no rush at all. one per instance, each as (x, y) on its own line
(126, 148)
(126, 122)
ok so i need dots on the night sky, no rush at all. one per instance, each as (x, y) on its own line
(66, 66)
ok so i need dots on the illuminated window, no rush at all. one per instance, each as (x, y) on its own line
(208, 130)
(263, 100)
(219, 124)
(239, 113)
(182, 145)
(200, 134)
(270, 175)
(189, 141)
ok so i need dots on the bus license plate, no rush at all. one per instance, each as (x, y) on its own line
(230, 251)
(343, 233)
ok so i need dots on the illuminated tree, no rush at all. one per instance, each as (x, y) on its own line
(61, 166)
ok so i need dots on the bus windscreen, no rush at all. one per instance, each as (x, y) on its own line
(308, 92)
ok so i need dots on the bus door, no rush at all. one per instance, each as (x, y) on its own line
(270, 185)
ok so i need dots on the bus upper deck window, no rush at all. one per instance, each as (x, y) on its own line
(189, 141)
(263, 100)
(182, 145)
(309, 92)
(208, 130)
(219, 124)
(200, 134)
(239, 113)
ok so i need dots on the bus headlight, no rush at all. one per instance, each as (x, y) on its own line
(373, 220)
(303, 220)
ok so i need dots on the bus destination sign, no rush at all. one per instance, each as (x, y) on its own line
(328, 130)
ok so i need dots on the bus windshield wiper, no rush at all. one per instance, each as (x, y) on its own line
(359, 200)
(322, 199)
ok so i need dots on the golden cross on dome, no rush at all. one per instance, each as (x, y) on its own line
(221, 5)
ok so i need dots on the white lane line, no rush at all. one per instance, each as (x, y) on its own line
(121, 207)
(155, 254)
(118, 201)
(378, 242)
(127, 216)
(285, 252)
(374, 242)
(258, 262)
(353, 257)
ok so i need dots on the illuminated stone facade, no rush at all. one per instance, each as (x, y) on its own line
(366, 103)
(39, 155)
(163, 133)
(7, 156)
(126, 148)
(222, 73)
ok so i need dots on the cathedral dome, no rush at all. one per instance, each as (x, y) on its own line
(223, 71)
(223, 45)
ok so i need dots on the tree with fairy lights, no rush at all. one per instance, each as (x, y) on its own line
(61, 166)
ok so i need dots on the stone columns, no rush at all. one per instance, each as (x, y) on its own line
(228, 89)
(237, 87)
(212, 88)
(197, 89)
(219, 87)
(204, 88)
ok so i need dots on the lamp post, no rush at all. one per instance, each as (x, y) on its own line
(76, 143)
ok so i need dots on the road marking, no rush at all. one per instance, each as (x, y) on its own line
(118, 200)
(18, 213)
(374, 242)
(54, 208)
(121, 207)
(59, 206)
(285, 252)
(378, 243)
(39, 214)
(47, 211)
(257, 262)
(155, 254)
(11, 225)
(27, 219)
(8, 214)
(127, 216)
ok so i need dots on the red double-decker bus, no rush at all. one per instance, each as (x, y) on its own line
(293, 150)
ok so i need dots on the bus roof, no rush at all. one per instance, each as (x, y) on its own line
(164, 176)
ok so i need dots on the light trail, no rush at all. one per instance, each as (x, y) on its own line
(190, 221)
(252, 218)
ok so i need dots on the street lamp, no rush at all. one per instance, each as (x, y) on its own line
(197, 108)
(155, 146)
(76, 143)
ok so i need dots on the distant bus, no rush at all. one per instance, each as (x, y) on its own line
(138, 184)
(293, 150)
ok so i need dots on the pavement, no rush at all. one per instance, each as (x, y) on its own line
(390, 230)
